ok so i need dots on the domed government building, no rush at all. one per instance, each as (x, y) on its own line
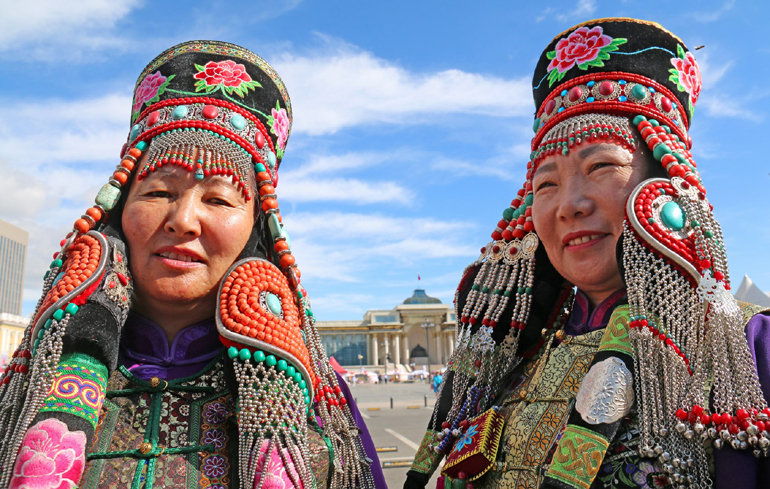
(386, 339)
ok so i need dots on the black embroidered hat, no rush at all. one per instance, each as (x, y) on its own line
(619, 66)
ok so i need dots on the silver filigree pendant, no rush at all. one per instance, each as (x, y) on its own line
(606, 394)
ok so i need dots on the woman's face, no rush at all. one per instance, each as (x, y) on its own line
(578, 211)
(183, 235)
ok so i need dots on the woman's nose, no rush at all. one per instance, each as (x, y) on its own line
(184, 218)
(574, 198)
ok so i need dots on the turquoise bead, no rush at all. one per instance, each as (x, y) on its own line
(274, 304)
(508, 214)
(259, 356)
(108, 197)
(660, 150)
(275, 226)
(34, 348)
(57, 263)
(58, 277)
(59, 314)
(179, 113)
(302, 384)
(639, 119)
(654, 122)
(282, 365)
(536, 124)
(297, 377)
(259, 167)
(672, 216)
(529, 199)
(40, 334)
(48, 323)
(71, 309)
(238, 121)
(244, 354)
(141, 145)
(232, 352)
(134, 132)
(291, 371)
(271, 159)
(270, 360)
(639, 92)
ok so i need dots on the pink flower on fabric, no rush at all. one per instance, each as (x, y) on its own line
(149, 89)
(51, 457)
(689, 75)
(583, 48)
(281, 126)
(227, 72)
(276, 475)
(580, 47)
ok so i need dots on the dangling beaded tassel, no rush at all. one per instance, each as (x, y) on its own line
(687, 329)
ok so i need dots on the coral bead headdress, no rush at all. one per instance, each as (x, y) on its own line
(592, 83)
(214, 109)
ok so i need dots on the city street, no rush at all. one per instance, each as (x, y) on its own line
(400, 428)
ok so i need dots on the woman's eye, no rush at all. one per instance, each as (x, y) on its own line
(158, 193)
(598, 166)
(543, 185)
(220, 201)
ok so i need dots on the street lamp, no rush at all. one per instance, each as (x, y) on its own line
(427, 325)
(360, 362)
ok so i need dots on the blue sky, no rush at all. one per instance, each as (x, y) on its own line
(412, 123)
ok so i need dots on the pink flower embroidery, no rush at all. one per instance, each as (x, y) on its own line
(688, 75)
(148, 91)
(280, 126)
(51, 457)
(583, 47)
(227, 75)
(276, 475)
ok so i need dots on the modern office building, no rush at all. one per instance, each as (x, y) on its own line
(11, 330)
(13, 257)
(403, 335)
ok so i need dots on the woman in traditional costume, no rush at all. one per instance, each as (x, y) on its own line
(173, 345)
(598, 344)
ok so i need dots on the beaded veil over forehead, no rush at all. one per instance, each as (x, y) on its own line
(591, 84)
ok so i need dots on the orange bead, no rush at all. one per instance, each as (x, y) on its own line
(269, 203)
(281, 245)
(262, 176)
(134, 152)
(297, 272)
(266, 189)
(82, 226)
(120, 177)
(287, 260)
(95, 213)
(127, 164)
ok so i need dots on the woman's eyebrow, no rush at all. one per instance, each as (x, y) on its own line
(586, 152)
(548, 167)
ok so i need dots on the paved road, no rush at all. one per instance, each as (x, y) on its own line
(400, 427)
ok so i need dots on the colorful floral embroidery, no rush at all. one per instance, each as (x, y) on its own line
(216, 412)
(279, 125)
(686, 75)
(226, 75)
(149, 91)
(466, 439)
(275, 475)
(216, 437)
(584, 47)
(214, 466)
(51, 457)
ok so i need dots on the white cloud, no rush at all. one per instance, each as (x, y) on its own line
(343, 190)
(59, 24)
(344, 86)
(715, 105)
(582, 11)
(713, 15)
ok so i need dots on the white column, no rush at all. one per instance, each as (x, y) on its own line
(439, 345)
(387, 348)
(407, 357)
(375, 352)
(397, 347)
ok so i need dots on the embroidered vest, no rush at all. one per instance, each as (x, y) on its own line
(181, 433)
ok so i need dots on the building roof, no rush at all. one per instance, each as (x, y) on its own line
(420, 297)
(749, 292)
